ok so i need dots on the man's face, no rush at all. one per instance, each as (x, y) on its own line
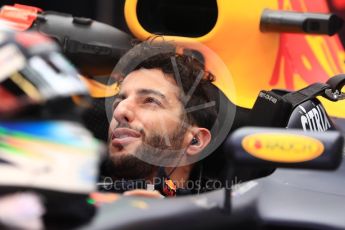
(146, 123)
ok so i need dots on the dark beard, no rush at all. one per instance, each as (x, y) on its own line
(128, 167)
(139, 165)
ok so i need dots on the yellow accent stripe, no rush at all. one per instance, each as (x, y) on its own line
(26, 86)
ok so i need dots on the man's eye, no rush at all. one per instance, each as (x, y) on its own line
(151, 100)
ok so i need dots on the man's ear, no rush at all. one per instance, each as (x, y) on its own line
(198, 139)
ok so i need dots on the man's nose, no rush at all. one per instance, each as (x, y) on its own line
(124, 111)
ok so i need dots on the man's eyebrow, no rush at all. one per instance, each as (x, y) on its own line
(151, 91)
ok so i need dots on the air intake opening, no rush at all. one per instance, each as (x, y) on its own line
(189, 18)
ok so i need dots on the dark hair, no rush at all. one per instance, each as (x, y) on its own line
(189, 74)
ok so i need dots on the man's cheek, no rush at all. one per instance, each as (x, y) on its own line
(112, 126)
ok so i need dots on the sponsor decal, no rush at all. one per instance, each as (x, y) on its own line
(315, 119)
(268, 97)
(285, 148)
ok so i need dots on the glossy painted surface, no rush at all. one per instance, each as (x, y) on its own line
(254, 60)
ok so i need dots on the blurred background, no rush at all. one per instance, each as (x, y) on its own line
(107, 11)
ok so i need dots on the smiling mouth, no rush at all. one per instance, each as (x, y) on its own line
(123, 136)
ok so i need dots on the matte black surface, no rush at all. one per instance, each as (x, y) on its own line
(293, 199)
